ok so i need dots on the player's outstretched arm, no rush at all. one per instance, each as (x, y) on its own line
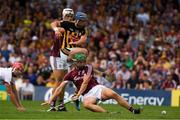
(21, 108)
(13, 97)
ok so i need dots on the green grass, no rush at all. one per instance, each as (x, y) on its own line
(35, 111)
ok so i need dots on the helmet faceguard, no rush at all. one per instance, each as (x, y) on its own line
(81, 19)
(68, 12)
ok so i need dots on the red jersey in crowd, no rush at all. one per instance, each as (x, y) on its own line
(169, 84)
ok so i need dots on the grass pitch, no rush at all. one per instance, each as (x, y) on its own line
(35, 111)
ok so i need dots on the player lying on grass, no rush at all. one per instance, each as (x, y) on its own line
(82, 75)
(7, 79)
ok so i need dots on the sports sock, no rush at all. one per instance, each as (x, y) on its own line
(53, 104)
(131, 109)
(61, 103)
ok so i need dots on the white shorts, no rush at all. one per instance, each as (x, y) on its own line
(95, 92)
(59, 63)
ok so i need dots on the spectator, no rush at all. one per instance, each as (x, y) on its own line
(110, 74)
(124, 72)
(144, 83)
(128, 61)
(31, 76)
(169, 83)
(27, 90)
(143, 17)
(51, 82)
(5, 52)
(141, 60)
(133, 82)
(119, 83)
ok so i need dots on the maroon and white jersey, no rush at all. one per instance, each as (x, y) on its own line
(55, 49)
(76, 76)
(169, 84)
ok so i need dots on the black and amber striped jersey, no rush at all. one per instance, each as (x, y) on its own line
(71, 34)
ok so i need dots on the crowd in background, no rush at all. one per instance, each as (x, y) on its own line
(134, 43)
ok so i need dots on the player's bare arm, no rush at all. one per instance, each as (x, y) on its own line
(13, 97)
(21, 108)
(58, 30)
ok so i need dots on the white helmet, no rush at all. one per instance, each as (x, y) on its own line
(67, 11)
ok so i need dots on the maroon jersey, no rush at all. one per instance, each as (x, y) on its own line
(169, 84)
(55, 49)
(76, 76)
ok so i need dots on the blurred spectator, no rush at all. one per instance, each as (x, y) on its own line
(27, 90)
(128, 61)
(31, 76)
(114, 62)
(19, 84)
(2, 59)
(124, 72)
(119, 83)
(5, 52)
(103, 81)
(110, 74)
(51, 82)
(144, 83)
(169, 83)
(175, 76)
(143, 17)
(140, 60)
(133, 82)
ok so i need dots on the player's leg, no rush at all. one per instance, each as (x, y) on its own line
(90, 103)
(108, 93)
(12, 96)
(59, 74)
(91, 98)
(58, 91)
(57, 65)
